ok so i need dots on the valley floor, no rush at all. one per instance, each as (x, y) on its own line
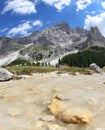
(24, 103)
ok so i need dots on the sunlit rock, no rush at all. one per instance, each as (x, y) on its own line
(76, 116)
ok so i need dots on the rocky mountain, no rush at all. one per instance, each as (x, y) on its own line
(52, 43)
(95, 38)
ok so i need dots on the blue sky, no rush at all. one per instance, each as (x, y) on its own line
(21, 17)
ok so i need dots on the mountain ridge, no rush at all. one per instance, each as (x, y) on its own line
(53, 42)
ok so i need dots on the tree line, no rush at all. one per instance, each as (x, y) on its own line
(84, 58)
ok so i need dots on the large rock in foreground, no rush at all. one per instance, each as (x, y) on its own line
(5, 75)
(56, 107)
(76, 116)
(69, 115)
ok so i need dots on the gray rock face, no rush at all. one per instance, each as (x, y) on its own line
(5, 75)
(95, 37)
(59, 34)
(8, 45)
(53, 41)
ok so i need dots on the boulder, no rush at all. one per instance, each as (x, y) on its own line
(5, 75)
(56, 107)
(74, 115)
(96, 67)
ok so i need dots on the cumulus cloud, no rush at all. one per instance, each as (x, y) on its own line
(103, 4)
(97, 20)
(58, 4)
(21, 29)
(28, 7)
(82, 4)
(24, 28)
(19, 6)
(37, 23)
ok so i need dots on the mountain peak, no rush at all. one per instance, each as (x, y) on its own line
(95, 30)
(63, 26)
(95, 33)
(95, 38)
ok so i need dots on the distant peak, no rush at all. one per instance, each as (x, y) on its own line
(62, 24)
(95, 30)
(95, 37)
(35, 33)
(78, 29)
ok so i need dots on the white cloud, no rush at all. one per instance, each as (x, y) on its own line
(93, 12)
(4, 30)
(24, 28)
(19, 6)
(98, 20)
(82, 4)
(37, 23)
(58, 4)
(103, 4)
(21, 29)
(28, 7)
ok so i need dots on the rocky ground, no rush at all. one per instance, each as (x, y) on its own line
(53, 102)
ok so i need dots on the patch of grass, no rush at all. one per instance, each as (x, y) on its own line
(28, 70)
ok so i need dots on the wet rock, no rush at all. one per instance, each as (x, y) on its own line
(56, 107)
(5, 75)
(76, 116)
(69, 114)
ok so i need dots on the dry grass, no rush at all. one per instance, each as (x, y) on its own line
(42, 69)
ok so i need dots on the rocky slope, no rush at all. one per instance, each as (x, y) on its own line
(52, 43)
(94, 38)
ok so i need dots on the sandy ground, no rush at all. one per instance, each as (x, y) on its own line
(24, 103)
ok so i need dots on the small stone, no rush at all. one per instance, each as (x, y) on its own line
(48, 118)
(62, 97)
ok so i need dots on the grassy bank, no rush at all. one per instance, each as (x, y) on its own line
(42, 69)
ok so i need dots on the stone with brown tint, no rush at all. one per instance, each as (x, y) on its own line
(76, 116)
(56, 107)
